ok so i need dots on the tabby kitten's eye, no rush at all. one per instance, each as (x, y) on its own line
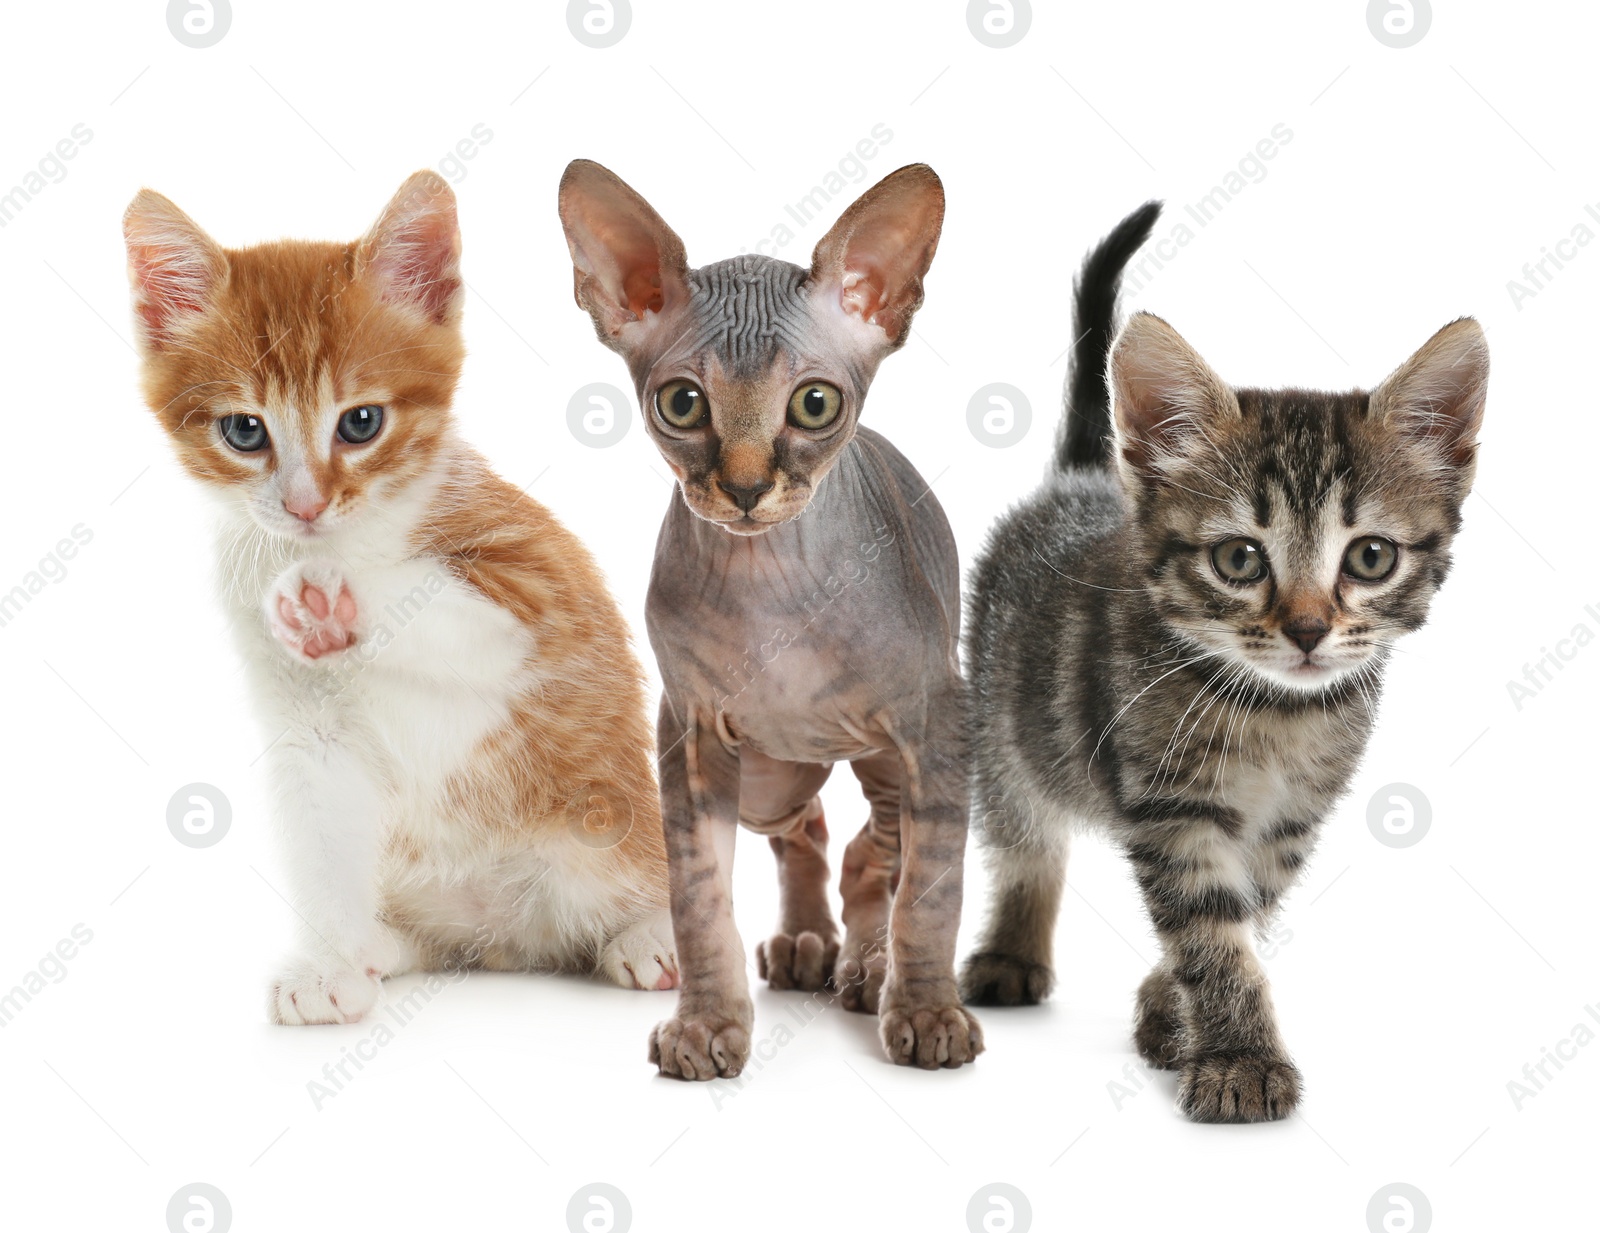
(246, 433)
(815, 405)
(1239, 560)
(681, 404)
(359, 425)
(1371, 558)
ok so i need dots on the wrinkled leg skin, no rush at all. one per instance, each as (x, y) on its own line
(708, 1036)
(866, 883)
(1206, 1010)
(910, 879)
(779, 800)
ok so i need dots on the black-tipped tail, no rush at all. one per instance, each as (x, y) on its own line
(1084, 439)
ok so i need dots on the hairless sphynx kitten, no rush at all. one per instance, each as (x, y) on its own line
(804, 611)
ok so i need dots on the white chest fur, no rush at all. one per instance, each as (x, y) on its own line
(435, 669)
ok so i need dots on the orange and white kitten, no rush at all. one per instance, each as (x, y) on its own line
(459, 745)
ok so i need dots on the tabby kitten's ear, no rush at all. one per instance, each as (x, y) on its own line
(871, 265)
(175, 268)
(1162, 396)
(626, 260)
(413, 252)
(1436, 398)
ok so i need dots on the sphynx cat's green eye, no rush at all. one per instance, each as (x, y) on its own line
(681, 404)
(814, 405)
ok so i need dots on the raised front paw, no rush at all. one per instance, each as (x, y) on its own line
(321, 993)
(990, 978)
(930, 1033)
(804, 961)
(1238, 1089)
(312, 611)
(642, 956)
(701, 1044)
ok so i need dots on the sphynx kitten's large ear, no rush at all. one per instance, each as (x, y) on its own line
(413, 252)
(873, 261)
(626, 261)
(1436, 397)
(1163, 396)
(175, 267)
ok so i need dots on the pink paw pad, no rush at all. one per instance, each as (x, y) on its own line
(314, 626)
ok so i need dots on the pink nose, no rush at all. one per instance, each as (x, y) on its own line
(305, 510)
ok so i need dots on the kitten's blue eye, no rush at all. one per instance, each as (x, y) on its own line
(360, 424)
(1370, 558)
(682, 404)
(246, 433)
(1239, 561)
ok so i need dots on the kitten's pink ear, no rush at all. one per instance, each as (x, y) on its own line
(175, 267)
(1436, 397)
(1162, 395)
(413, 252)
(873, 261)
(626, 261)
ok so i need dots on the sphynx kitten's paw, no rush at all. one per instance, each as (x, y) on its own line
(930, 1033)
(312, 611)
(803, 962)
(858, 979)
(643, 956)
(992, 979)
(317, 992)
(701, 1045)
(1238, 1089)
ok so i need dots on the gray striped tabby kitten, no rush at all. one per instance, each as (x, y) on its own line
(1181, 637)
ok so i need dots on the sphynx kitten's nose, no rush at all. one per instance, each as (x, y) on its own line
(745, 496)
(306, 509)
(1306, 633)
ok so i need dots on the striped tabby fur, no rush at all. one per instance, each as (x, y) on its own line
(1119, 678)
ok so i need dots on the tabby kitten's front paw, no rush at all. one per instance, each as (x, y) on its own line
(312, 611)
(312, 993)
(990, 978)
(705, 1044)
(928, 1031)
(1238, 1089)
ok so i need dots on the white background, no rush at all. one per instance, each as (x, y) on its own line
(1413, 984)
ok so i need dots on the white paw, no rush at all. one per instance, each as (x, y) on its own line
(643, 956)
(322, 993)
(312, 610)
